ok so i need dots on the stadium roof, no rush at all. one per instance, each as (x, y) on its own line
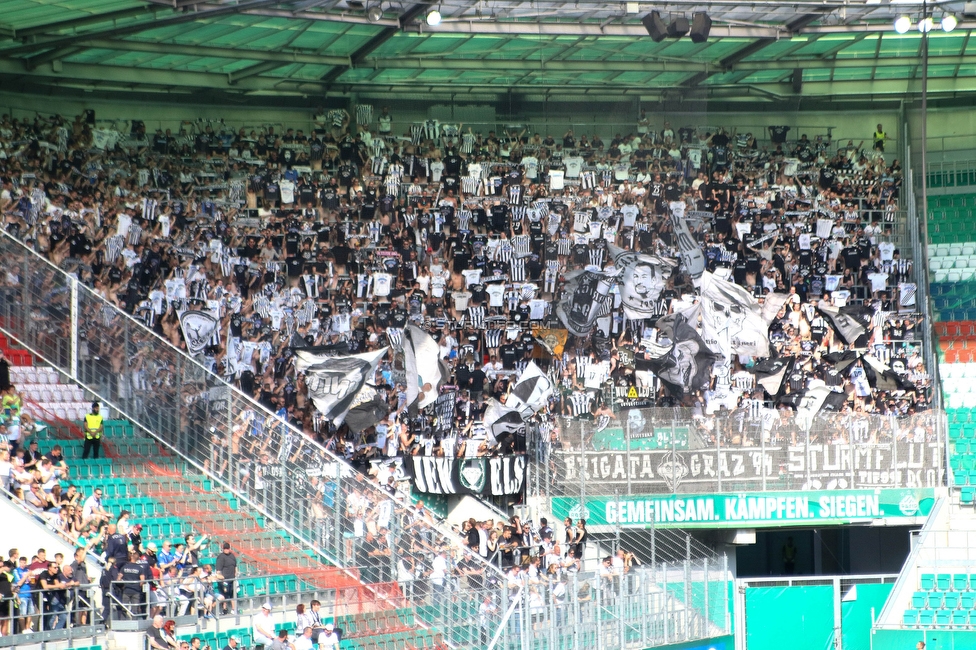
(273, 49)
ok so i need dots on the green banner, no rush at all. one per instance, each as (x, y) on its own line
(749, 510)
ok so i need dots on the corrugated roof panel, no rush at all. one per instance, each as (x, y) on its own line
(894, 72)
(668, 78)
(863, 48)
(634, 77)
(942, 44)
(766, 76)
(777, 48)
(900, 44)
(817, 74)
(719, 49)
(20, 14)
(853, 74)
(823, 44)
(942, 70)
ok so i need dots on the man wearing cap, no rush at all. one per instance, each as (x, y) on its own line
(328, 638)
(263, 626)
(94, 428)
(231, 643)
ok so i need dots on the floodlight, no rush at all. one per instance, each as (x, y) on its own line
(433, 18)
(949, 23)
(903, 24)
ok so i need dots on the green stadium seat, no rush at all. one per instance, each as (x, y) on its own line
(951, 600)
(935, 600)
(967, 495)
(943, 581)
(910, 617)
(967, 600)
(960, 582)
(942, 617)
(927, 582)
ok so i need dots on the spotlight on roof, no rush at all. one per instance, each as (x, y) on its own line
(678, 27)
(926, 24)
(903, 24)
(701, 24)
(374, 14)
(655, 27)
(949, 23)
(433, 18)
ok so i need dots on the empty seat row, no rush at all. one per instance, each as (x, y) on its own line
(32, 375)
(939, 617)
(943, 582)
(961, 258)
(951, 201)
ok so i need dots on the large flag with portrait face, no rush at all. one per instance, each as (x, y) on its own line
(642, 280)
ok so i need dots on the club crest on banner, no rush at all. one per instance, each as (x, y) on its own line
(473, 474)
(198, 328)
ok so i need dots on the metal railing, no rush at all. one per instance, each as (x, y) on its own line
(49, 615)
(275, 469)
(917, 223)
(305, 491)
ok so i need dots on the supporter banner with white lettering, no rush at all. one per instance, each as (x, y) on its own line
(495, 476)
(749, 510)
(802, 467)
(334, 381)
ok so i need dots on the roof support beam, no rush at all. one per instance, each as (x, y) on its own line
(141, 26)
(256, 69)
(51, 55)
(370, 46)
(242, 54)
(84, 21)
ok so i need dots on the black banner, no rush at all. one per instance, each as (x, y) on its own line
(494, 476)
(812, 467)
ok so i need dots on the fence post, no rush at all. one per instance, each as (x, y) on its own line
(73, 356)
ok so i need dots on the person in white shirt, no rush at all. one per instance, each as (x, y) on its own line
(438, 574)
(304, 642)
(262, 626)
(328, 638)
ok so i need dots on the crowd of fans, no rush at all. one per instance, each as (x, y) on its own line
(347, 233)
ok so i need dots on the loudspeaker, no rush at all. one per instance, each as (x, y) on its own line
(797, 80)
(701, 24)
(655, 26)
(678, 27)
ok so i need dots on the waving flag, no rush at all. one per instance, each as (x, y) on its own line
(685, 365)
(771, 372)
(531, 392)
(334, 382)
(849, 322)
(588, 298)
(426, 373)
(732, 320)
